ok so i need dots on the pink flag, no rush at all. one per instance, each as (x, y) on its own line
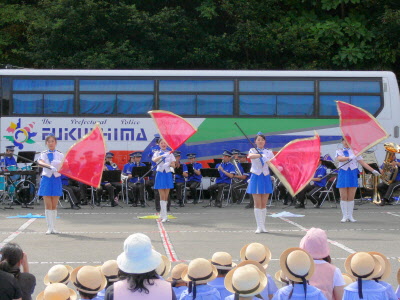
(84, 161)
(295, 164)
(174, 129)
(359, 128)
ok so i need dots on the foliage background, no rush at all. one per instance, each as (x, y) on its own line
(201, 34)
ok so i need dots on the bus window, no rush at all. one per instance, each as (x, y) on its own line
(257, 105)
(28, 104)
(342, 86)
(97, 104)
(196, 85)
(215, 105)
(276, 86)
(58, 104)
(328, 104)
(43, 85)
(116, 85)
(179, 104)
(134, 104)
(295, 105)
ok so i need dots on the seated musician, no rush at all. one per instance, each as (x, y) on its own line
(313, 189)
(240, 180)
(192, 172)
(9, 159)
(226, 172)
(179, 180)
(386, 191)
(136, 188)
(73, 192)
(109, 186)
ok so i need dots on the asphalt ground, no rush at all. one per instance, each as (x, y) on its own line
(91, 236)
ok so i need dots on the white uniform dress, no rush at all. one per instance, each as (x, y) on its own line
(348, 172)
(164, 176)
(50, 184)
(260, 180)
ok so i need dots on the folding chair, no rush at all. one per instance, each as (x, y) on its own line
(204, 185)
(328, 192)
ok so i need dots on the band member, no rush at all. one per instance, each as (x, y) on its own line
(136, 188)
(312, 190)
(50, 185)
(153, 193)
(260, 184)
(110, 186)
(73, 192)
(386, 191)
(240, 180)
(235, 154)
(192, 172)
(9, 159)
(163, 181)
(179, 180)
(285, 195)
(226, 172)
(347, 182)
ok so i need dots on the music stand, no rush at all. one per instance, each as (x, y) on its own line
(246, 167)
(329, 164)
(190, 169)
(26, 157)
(217, 160)
(212, 165)
(111, 176)
(209, 173)
(139, 172)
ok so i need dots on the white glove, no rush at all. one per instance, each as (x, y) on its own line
(352, 157)
(311, 182)
(56, 163)
(264, 158)
(53, 169)
(165, 154)
(376, 173)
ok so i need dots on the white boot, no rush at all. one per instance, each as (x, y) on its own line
(53, 227)
(49, 219)
(343, 206)
(257, 217)
(163, 212)
(263, 215)
(350, 208)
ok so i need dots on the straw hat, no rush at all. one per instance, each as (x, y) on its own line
(200, 270)
(222, 261)
(257, 252)
(164, 267)
(88, 279)
(245, 281)
(296, 263)
(398, 276)
(253, 264)
(315, 242)
(110, 270)
(57, 291)
(279, 276)
(362, 265)
(176, 274)
(385, 267)
(138, 256)
(348, 279)
(58, 274)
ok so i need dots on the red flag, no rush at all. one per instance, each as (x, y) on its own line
(174, 129)
(295, 164)
(84, 161)
(359, 128)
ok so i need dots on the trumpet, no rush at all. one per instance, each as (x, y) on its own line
(114, 165)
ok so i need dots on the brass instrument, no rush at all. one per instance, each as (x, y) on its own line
(389, 171)
(237, 169)
(370, 181)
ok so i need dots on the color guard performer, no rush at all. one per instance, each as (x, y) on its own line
(136, 189)
(50, 184)
(348, 179)
(163, 181)
(260, 185)
(192, 172)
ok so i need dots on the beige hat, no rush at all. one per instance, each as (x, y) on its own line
(58, 274)
(257, 252)
(222, 261)
(385, 267)
(164, 267)
(279, 276)
(200, 270)
(252, 263)
(246, 281)
(398, 276)
(110, 270)
(57, 291)
(176, 274)
(348, 279)
(88, 279)
(296, 264)
(362, 265)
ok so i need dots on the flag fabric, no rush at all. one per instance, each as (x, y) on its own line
(84, 161)
(359, 128)
(174, 129)
(296, 163)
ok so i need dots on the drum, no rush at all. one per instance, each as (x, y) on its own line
(26, 168)
(2, 183)
(14, 177)
(23, 191)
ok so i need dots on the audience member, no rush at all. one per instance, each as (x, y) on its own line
(178, 285)
(58, 274)
(88, 281)
(223, 262)
(164, 267)
(13, 258)
(9, 287)
(280, 277)
(384, 272)
(110, 270)
(57, 291)
(347, 279)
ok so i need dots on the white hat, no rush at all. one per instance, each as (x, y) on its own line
(58, 274)
(57, 291)
(138, 256)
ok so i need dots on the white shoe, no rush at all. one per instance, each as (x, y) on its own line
(344, 220)
(54, 231)
(164, 220)
(258, 230)
(351, 219)
(48, 231)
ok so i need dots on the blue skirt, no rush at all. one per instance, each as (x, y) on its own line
(164, 181)
(259, 184)
(50, 186)
(347, 178)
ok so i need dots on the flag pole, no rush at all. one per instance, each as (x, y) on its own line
(254, 146)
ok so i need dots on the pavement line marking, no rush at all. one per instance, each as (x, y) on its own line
(392, 214)
(18, 232)
(335, 243)
(169, 248)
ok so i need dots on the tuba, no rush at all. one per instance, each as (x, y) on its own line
(389, 172)
(370, 181)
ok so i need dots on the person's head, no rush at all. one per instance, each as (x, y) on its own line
(235, 153)
(177, 155)
(12, 255)
(315, 242)
(223, 262)
(260, 140)
(88, 281)
(257, 252)
(164, 267)
(191, 157)
(176, 275)
(242, 157)
(58, 274)
(109, 157)
(135, 157)
(344, 143)
(200, 271)
(162, 143)
(246, 281)
(57, 291)
(51, 141)
(226, 156)
(385, 269)
(10, 149)
(297, 265)
(110, 270)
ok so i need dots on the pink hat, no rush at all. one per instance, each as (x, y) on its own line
(315, 242)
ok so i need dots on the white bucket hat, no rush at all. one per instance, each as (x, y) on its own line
(138, 256)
